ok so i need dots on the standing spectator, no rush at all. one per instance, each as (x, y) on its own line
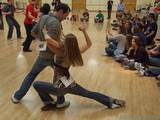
(109, 8)
(30, 17)
(8, 11)
(120, 6)
(1, 17)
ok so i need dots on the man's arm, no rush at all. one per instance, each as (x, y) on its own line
(34, 31)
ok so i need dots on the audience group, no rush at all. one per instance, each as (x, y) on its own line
(134, 44)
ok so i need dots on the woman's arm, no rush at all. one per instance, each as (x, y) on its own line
(52, 44)
(129, 51)
(51, 41)
(87, 38)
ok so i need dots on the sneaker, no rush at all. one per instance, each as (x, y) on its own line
(141, 72)
(138, 66)
(14, 100)
(118, 104)
(48, 107)
(63, 105)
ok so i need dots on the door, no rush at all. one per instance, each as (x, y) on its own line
(78, 4)
(130, 4)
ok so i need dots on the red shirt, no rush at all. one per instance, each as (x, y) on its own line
(30, 8)
(157, 10)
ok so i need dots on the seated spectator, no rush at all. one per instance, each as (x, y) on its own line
(137, 31)
(136, 53)
(116, 43)
(144, 23)
(128, 15)
(152, 29)
(136, 20)
(118, 20)
(85, 16)
(120, 57)
(121, 20)
(99, 17)
(154, 56)
(128, 27)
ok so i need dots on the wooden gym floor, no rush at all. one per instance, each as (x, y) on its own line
(99, 73)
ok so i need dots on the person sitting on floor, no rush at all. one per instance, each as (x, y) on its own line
(154, 56)
(119, 57)
(137, 31)
(136, 54)
(99, 17)
(85, 16)
(116, 44)
(152, 29)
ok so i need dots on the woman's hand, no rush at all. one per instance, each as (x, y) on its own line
(131, 48)
(45, 32)
(82, 28)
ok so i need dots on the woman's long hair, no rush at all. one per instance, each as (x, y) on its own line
(72, 51)
(137, 40)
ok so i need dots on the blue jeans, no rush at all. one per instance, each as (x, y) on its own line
(152, 71)
(154, 61)
(114, 41)
(120, 57)
(44, 89)
(11, 23)
(38, 66)
(110, 49)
